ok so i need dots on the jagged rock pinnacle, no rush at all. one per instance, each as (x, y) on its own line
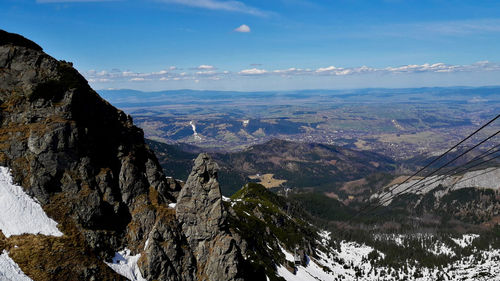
(201, 213)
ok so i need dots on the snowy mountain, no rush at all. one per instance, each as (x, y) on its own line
(82, 197)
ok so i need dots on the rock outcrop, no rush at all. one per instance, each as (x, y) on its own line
(202, 215)
(88, 166)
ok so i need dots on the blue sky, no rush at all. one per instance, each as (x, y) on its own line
(266, 45)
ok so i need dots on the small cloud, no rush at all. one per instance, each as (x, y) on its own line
(243, 28)
(128, 73)
(253, 71)
(161, 72)
(326, 69)
(205, 72)
(137, 79)
(173, 68)
(205, 67)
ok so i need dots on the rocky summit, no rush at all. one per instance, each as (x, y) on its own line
(87, 166)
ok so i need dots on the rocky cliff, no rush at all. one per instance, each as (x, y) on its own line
(88, 167)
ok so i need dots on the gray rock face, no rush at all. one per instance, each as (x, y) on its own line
(88, 165)
(202, 215)
(199, 207)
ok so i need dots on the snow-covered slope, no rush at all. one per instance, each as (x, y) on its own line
(351, 262)
(19, 213)
(9, 270)
(484, 179)
(126, 265)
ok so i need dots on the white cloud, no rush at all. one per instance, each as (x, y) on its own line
(426, 67)
(243, 28)
(340, 71)
(326, 69)
(128, 73)
(410, 68)
(229, 6)
(292, 71)
(161, 72)
(205, 72)
(205, 67)
(208, 72)
(252, 71)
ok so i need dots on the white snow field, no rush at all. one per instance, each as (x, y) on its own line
(9, 270)
(19, 213)
(126, 265)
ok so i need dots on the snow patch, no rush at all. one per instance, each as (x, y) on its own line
(311, 272)
(9, 270)
(19, 213)
(397, 239)
(466, 240)
(146, 244)
(487, 178)
(195, 134)
(325, 236)
(414, 186)
(126, 265)
(397, 125)
(288, 256)
(476, 267)
(353, 252)
(439, 248)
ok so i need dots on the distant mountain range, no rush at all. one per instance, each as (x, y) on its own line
(132, 98)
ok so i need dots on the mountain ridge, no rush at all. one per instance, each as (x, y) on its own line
(88, 167)
(302, 165)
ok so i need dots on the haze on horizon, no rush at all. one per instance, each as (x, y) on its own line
(253, 45)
